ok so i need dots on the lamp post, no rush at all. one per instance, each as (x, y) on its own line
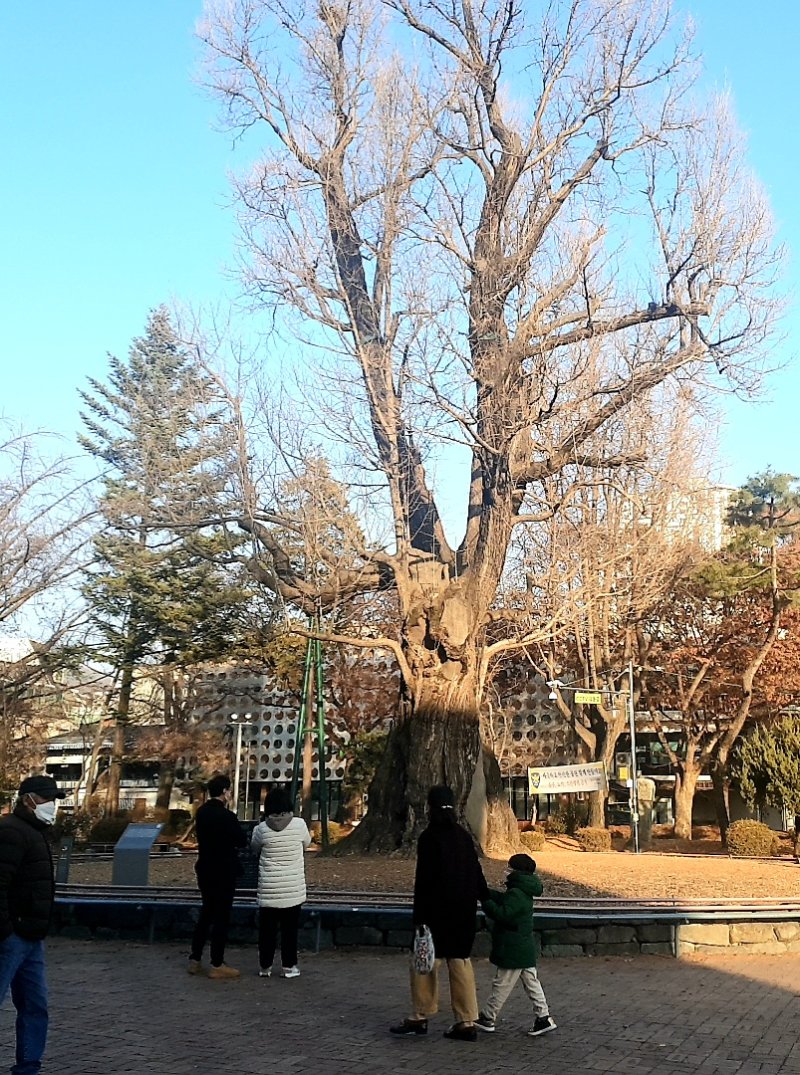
(240, 725)
(248, 746)
(556, 685)
(634, 794)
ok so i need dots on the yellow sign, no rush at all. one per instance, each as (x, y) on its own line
(588, 697)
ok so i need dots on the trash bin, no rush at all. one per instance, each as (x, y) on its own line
(132, 854)
(64, 856)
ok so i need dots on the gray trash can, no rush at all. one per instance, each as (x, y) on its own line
(132, 854)
(64, 856)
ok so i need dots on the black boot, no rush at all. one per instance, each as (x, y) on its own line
(410, 1026)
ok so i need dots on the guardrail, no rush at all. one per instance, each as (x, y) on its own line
(565, 925)
(568, 906)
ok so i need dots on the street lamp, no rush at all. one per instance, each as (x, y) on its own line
(556, 685)
(634, 771)
(239, 724)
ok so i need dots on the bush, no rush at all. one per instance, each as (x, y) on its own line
(108, 829)
(176, 823)
(576, 816)
(532, 840)
(556, 824)
(336, 832)
(591, 839)
(751, 840)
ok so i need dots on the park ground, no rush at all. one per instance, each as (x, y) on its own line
(670, 871)
(131, 1008)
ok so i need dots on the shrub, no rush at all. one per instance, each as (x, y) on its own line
(176, 822)
(592, 839)
(532, 840)
(556, 824)
(751, 839)
(108, 829)
(336, 832)
(576, 815)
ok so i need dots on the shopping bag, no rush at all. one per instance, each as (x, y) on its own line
(422, 953)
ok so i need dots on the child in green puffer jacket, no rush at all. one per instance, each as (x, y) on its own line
(510, 916)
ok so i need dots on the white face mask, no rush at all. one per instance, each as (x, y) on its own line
(46, 812)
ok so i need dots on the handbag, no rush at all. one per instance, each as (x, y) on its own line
(422, 953)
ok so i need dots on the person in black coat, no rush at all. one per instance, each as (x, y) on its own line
(448, 886)
(219, 837)
(27, 893)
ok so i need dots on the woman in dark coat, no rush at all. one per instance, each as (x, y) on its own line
(448, 886)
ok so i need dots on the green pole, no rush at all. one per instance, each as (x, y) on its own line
(302, 722)
(323, 783)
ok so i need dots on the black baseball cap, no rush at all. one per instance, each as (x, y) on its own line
(44, 786)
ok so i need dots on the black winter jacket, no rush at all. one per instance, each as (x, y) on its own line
(219, 837)
(449, 883)
(27, 888)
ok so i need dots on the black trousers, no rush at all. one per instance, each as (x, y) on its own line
(270, 919)
(215, 917)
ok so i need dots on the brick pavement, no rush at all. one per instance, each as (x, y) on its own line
(131, 1008)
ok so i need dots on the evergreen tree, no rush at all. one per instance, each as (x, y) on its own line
(767, 765)
(158, 588)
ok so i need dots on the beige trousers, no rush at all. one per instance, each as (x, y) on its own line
(463, 996)
(504, 982)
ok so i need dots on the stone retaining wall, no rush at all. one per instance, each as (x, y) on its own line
(326, 928)
(344, 927)
(756, 938)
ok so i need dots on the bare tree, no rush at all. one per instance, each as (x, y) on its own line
(490, 231)
(44, 514)
(617, 547)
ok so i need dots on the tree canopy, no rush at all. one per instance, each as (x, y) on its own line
(492, 226)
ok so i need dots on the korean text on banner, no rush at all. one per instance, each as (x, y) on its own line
(555, 779)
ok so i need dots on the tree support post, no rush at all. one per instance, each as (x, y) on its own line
(313, 674)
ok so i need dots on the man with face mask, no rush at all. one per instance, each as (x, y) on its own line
(27, 892)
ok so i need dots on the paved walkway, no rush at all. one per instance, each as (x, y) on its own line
(132, 1008)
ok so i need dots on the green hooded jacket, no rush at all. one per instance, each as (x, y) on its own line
(510, 915)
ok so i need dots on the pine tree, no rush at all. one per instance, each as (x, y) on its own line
(156, 590)
(767, 765)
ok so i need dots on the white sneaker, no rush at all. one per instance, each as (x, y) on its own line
(291, 972)
(265, 972)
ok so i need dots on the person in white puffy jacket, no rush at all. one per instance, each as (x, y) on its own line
(281, 840)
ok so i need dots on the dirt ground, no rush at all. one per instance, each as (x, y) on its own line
(671, 871)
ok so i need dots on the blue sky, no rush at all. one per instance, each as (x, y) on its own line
(115, 196)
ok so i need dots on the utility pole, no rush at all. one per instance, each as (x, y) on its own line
(634, 789)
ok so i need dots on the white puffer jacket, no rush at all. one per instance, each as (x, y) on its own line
(281, 870)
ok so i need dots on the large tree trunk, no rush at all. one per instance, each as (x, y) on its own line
(166, 782)
(605, 735)
(721, 793)
(435, 743)
(685, 785)
(118, 748)
(306, 797)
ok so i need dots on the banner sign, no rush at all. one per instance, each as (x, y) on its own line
(552, 779)
(588, 697)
